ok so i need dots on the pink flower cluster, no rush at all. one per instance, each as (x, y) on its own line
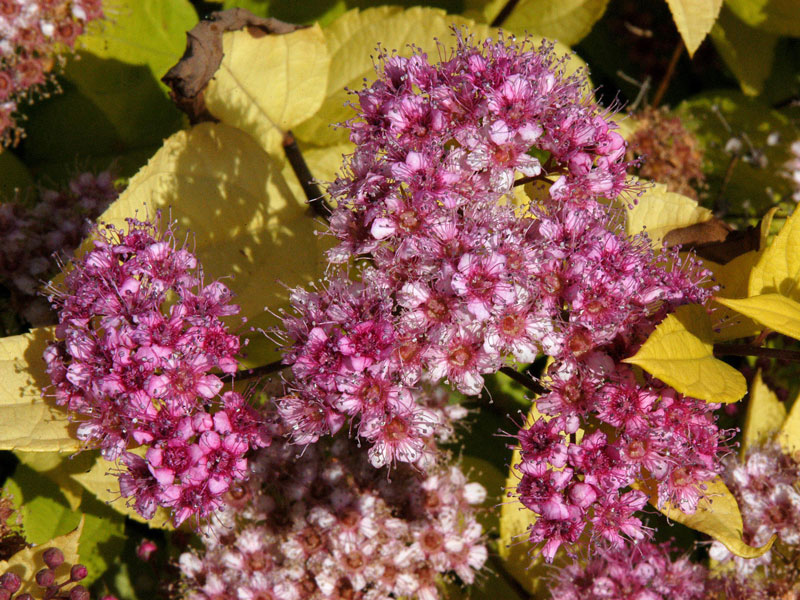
(139, 334)
(32, 34)
(767, 488)
(458, 274)
(643, 571)
(326, 525)
(32, 233)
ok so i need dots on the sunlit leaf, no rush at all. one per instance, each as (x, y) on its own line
(247, 213)
(776, 16)
(26, 563)
(789, 434)
(58, 467)
(267, 84)
(659, 211)
(775, 311)
(732, 279)
(567, 21)
(694, 19)
(778, 269)
(765, 414)
(143, 32)
(351, 42)
(102, 482)
(748, 52)
(28, 421)
(680, 353)
(717, 515)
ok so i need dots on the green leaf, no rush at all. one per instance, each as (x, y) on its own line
(781, 17)
(771, 310)
(765, 415)
(58, 467)
(694, 19)
(14, 175)
(351, 42)
(680, 353)
(247, 212)
(748, 52)
(26, 563)
(143, 32)
(567, 21)
(102, 539)
(717, 515)
(27, 420)
(778, 269)
(753, 186)
(268, 84)
(659, 211)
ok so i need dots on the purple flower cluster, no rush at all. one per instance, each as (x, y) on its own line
(643, 571)
(139, 334)
(767, 488)
(32, 33)
(458, 274)
(55, 224)
(327, 525)
(47, 579)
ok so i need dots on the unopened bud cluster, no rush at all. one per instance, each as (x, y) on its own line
(32, 35)
(139, 334)
(48, 581)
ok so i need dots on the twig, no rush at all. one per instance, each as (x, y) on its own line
(748, 350)
(504, 13)
(313, 194)
(665, 81)
(523, 379)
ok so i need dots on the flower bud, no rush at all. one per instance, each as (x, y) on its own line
(146, 549)
(53, 557)
(5, 594)
(79, 593)
(46, 577)
(78, 572)
(10, 582)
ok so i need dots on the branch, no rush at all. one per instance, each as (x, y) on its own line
(312, 191)
(521, 378)
(748, 350)
(673, 62)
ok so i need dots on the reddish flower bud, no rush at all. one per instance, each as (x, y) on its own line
(10, 582)
(79, 593)
(78, 572)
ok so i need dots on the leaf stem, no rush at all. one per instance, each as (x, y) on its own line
(748, 350)
(665, 81)
(314, 195)
(521, 378)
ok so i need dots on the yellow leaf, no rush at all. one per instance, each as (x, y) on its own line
(694, 19)
(765, 414)
(568, 21)
(247, 212)
(266, 85)
(680, 353)
(717, 515)
(59, 466)
(775, 16)
(748, 52)
(775, 311)
(659, 211)
(778, 269)
(27, 562)
(732, 278)
(789, 434)
(351, 42)
(28, 421)
(101, 481)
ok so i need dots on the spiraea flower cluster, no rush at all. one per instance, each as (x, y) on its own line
(767, 487)
(35, 233)
(644, 571)
(33, 33)
(47, 581)
(139, 335)
(326, 525)
(462, 269)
